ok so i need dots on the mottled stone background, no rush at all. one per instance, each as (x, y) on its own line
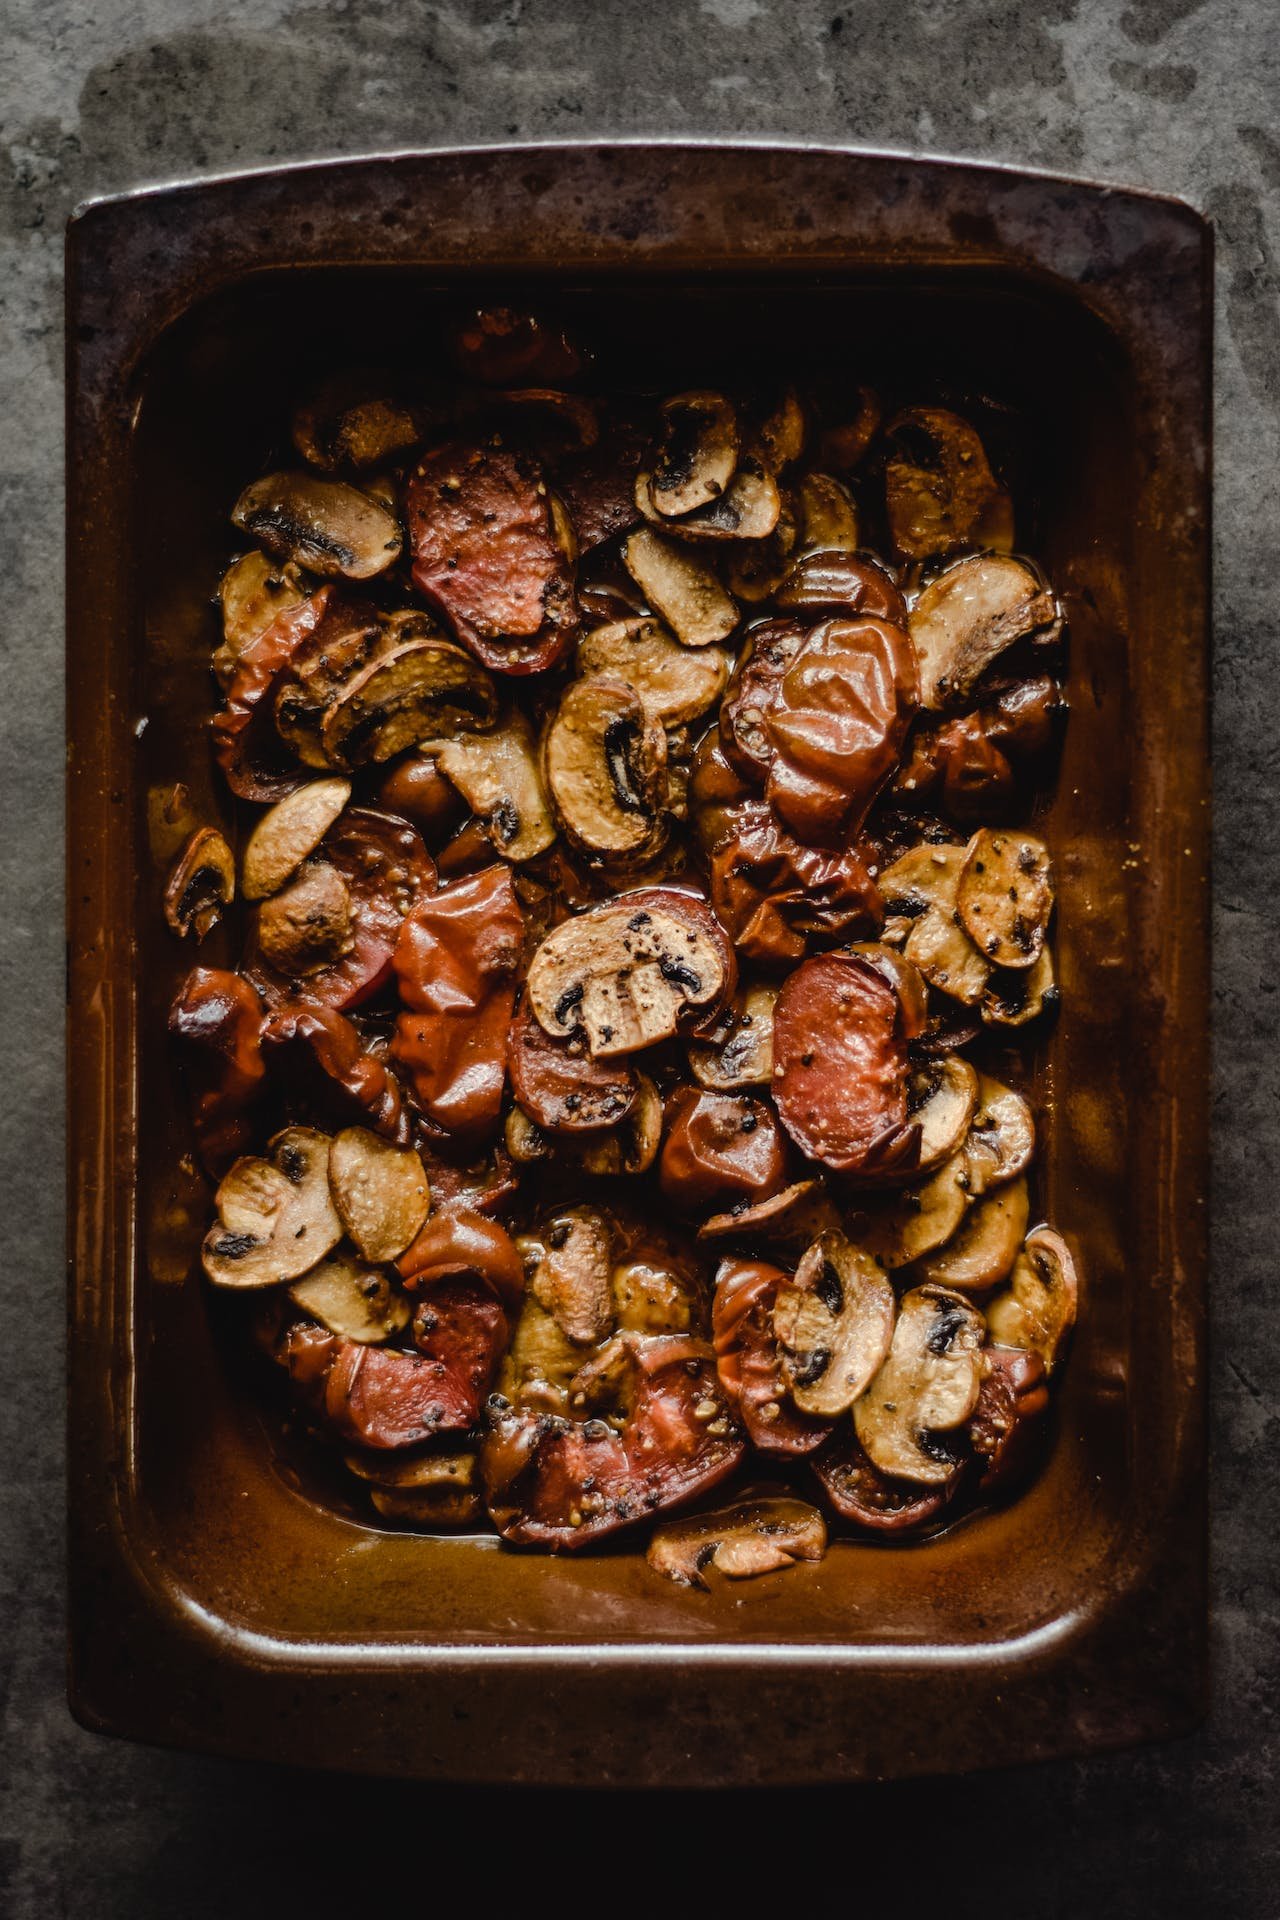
(1179, 95)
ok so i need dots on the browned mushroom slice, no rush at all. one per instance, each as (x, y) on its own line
(605, 760)
(275, 1217)
(572, 1273)
(926, 1388)
(324, 525)
(907, 1226)
(697, 455)
(380, 1191)
(755, 1537)
(425, 1489)
(756, 569)
(658, 1296)
(982, 1252)
(941, 1098)
(352, 1299)
(1004, 896)
(632, 1146)
(939, 490)
(748, 510)
(525, 1140)
(924, 884)
(307, 926)
(288, 833)
(253, 593)
(779, 439)
(686, 594)
(349, 637)
(499, 776)
(828, 517)
(1038, 1309)
(842, 446)
(791, 1219)
(970, 614)
(354, 420)
(417, 691)
(631, 971)
(202, 883)
(740, 1051)
(676, 684)
(834, 1326)
(1014, 999)
(1001, 1140)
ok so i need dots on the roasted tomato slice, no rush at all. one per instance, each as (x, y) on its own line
(1006, 1421)
(481, 1182)
(561, 1086)
(489, 553)
(858, 1491)
(778, 898)
(460, 1323)
(461, 1243)
(840, 1068)
(456, 963)
(837, 725)
(326, 1053)
(217, 1019)
(753, 692)
(384, 868)
(720, 1149)
(245, 743)
(386, 1398)
(562, 1484)
(832, 582)
(598, 485)
(748, 1359)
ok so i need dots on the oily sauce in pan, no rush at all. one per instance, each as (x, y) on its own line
(611, 1112)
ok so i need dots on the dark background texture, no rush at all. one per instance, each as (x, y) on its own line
(1182, 96)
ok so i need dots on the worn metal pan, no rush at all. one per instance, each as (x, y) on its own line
(218, 1602)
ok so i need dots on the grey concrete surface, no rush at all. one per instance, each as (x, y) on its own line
(1179, 95)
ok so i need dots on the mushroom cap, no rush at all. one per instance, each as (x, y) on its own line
(756, 1536)
(927, 1386)
(276, 1219)
(835, 1324)
(327, 526)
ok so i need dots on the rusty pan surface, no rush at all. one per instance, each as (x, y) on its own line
(219, 1600)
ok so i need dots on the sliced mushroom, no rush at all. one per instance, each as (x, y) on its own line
(413, 1472)
(541, 1360)
(1038, 1309)
(631, 971)
(698, 453)
(756, 569)
(755, 1537)
(835, 1325)
(605, 760)
(739, 1053)
(354, 1300)
(970, 614)
(275, 1217)
(941, 1097)
(790, 1219)
(939, 490)
(322, 670)
(324, 525)
(1001, 1140)
(1014, 999)
(440, 1490)
(686, 594)
(498, 775)
(924, 884)
(380, 1191)
(413, 693)
(253, 592)
(572, 1277)
(747, 510)
(202, 883)
(982, 1252)
(288, 833)
(780, 438)
(650, 1296)
(631, 1147)
(908, 1225)
(1004, 897)
(307, 926)
(828, 517)
(676, 684)
(926, 1388)
(354, 420)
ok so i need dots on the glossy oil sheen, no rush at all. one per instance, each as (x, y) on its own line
(222, 1598)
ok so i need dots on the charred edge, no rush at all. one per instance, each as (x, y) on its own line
(297, 533)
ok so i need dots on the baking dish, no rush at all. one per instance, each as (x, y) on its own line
(220, 1599)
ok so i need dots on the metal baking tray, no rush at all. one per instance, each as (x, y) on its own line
(216, 1603)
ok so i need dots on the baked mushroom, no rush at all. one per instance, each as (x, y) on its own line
(498, 775)
(981, 1253)
(630, 1147)
(306, 927)
(940, 492)
(354, 420)
(425, 1490)
(697, 454)
(380, 1191)
(202, 883)
(789, 1220)
(741, 1542)
(352, 1299)
(923, 884)
(288, 833)
(971, 613)
(570, 1267)
(738, 1052)
(926, 1388)
(941, 1097)
(327, 526)
(684, 593)
(676, 684)
(252, 592)
(276, 1218)
(1014, 997)
(321, 670)
(828, 517)
(605, 760)
(834, 1325)
(413, 693)
(748, 509)
(906, 1226)
(632, 971)
(1004, 896)
(1001, 1140)
(1038, 1308)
